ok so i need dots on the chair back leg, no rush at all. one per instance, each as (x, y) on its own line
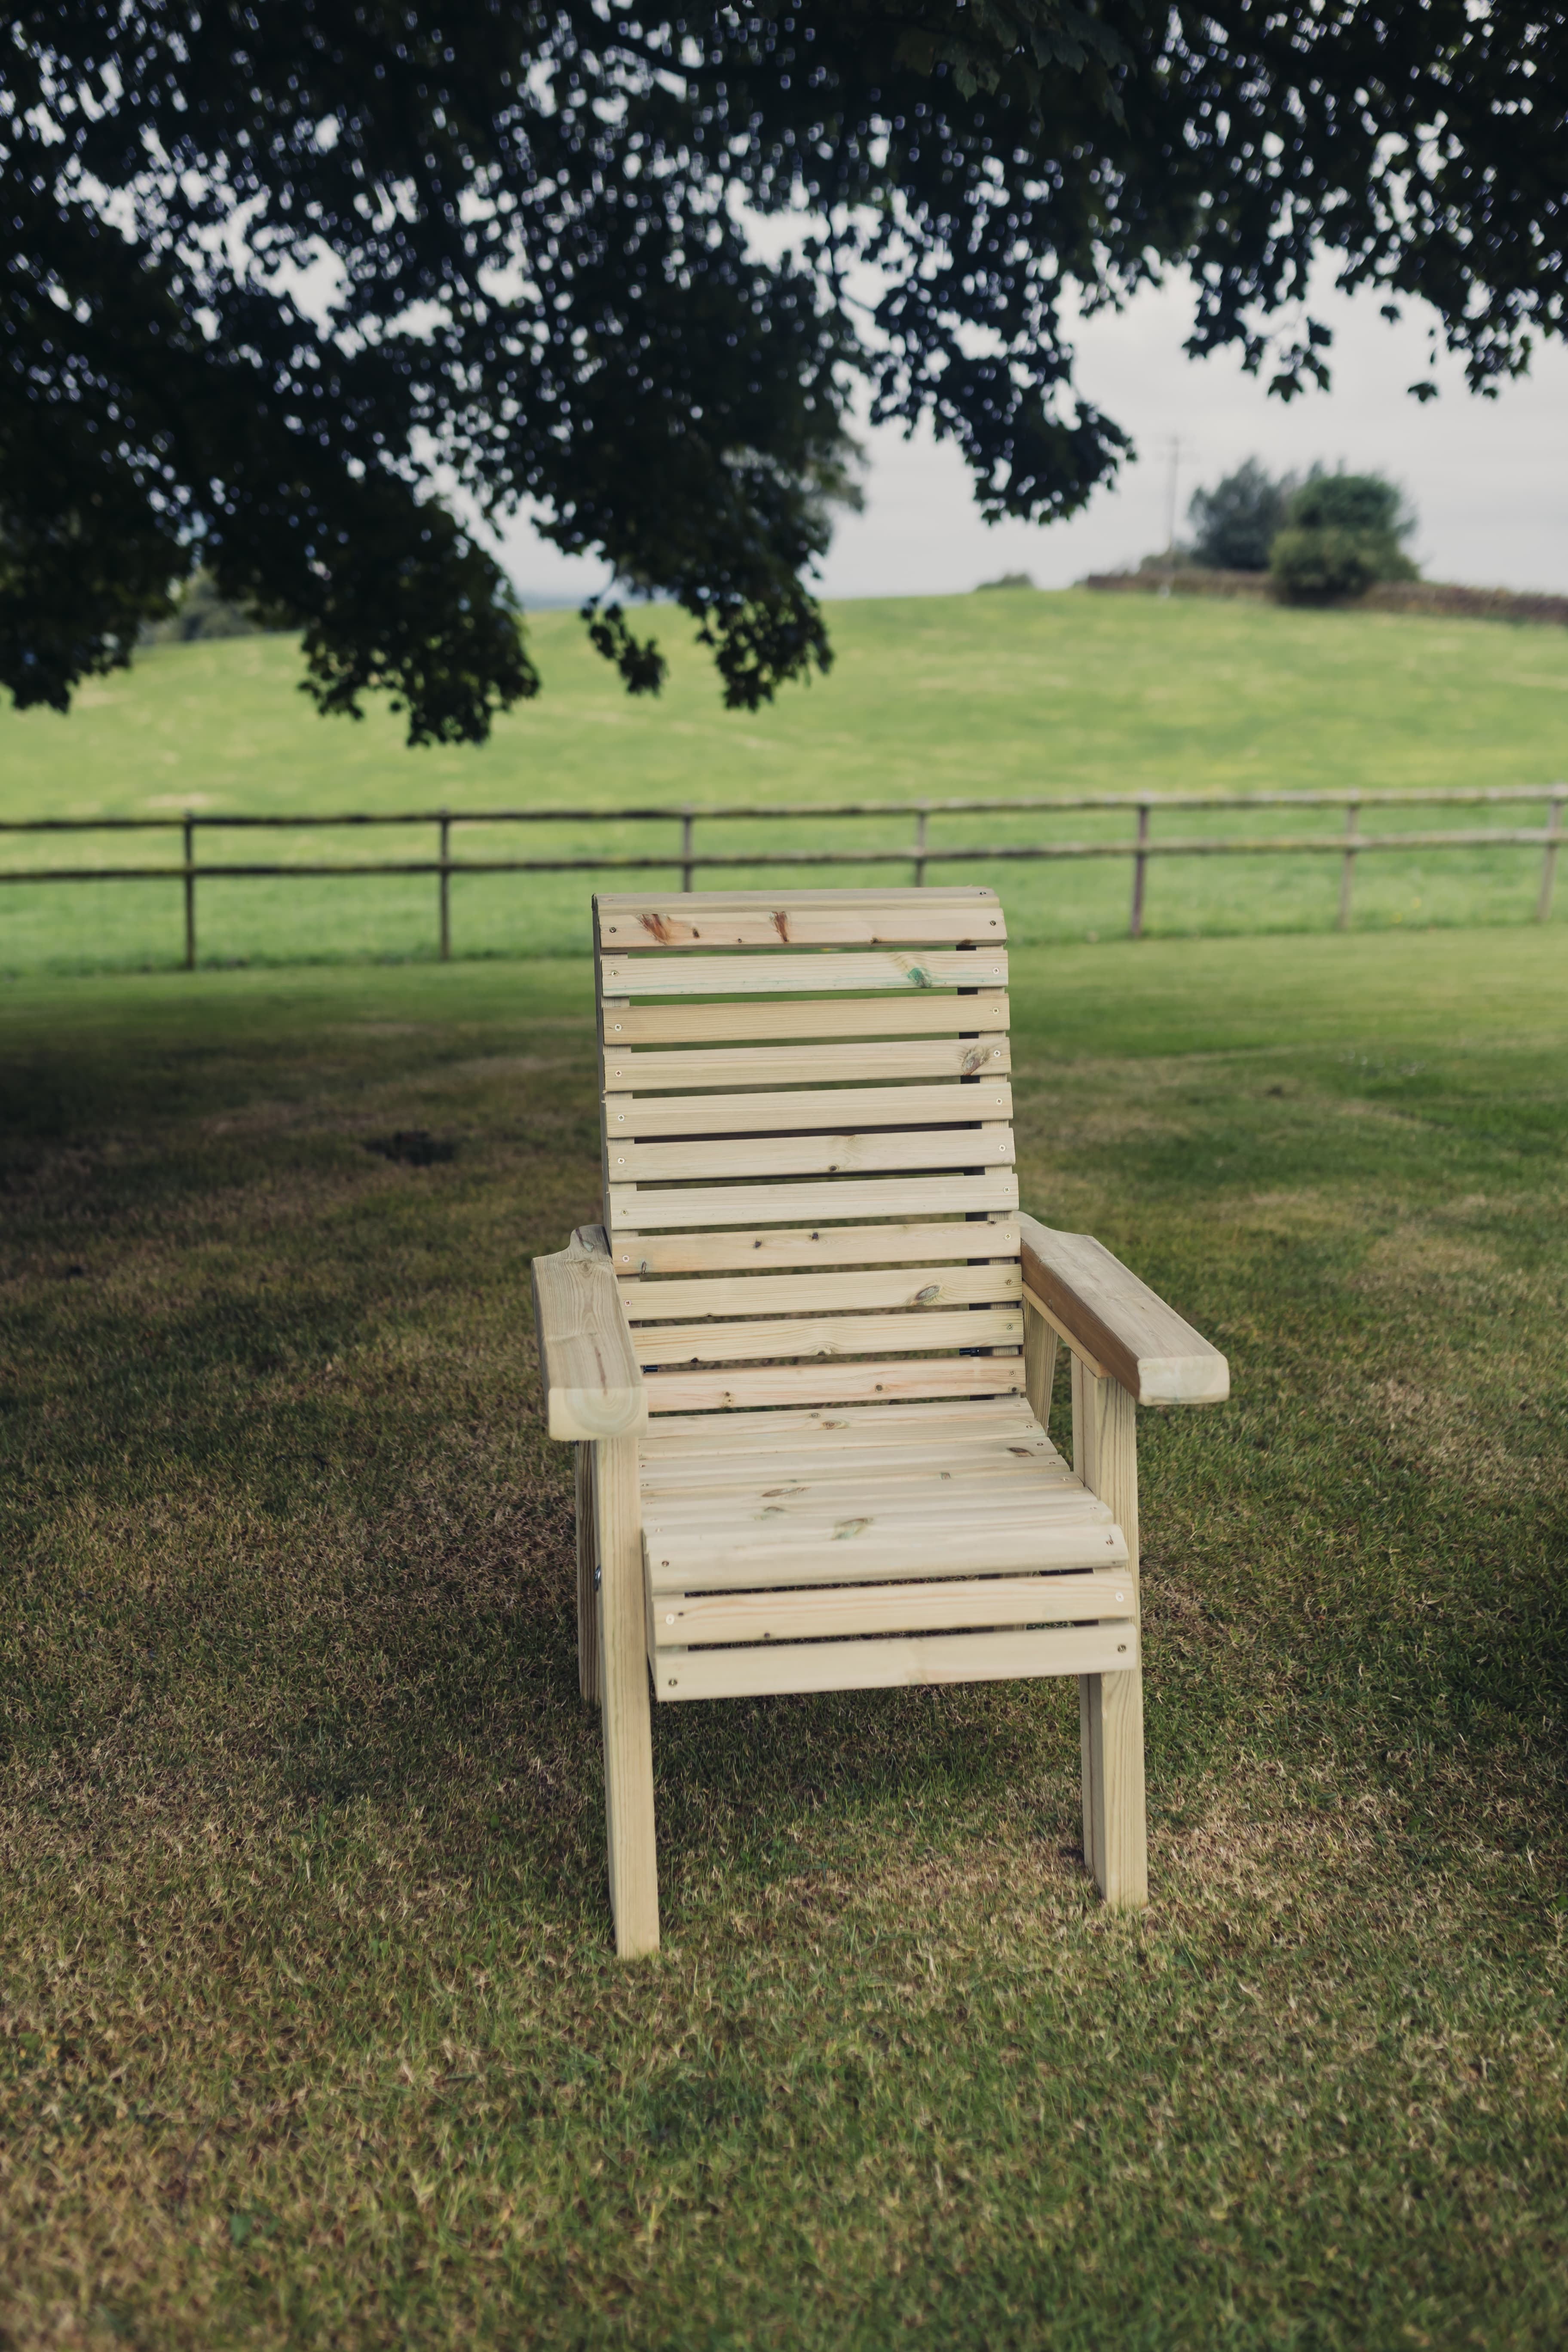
(623, 1697)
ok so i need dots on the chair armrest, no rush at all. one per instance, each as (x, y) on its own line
(593, 1381)
(1102, 1311)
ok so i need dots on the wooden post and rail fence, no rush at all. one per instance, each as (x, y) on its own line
(919, 854)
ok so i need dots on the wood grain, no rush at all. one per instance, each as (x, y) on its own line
(685, 1620)
(1110, 1703)
(721, 1159)
(803, 1020)
(829, 1292)
(644, 1070)
(628, 1740)
(704, 1557)
(638, 1117)
(829, 1245)
(767, 1667)
(588, 1681)
(798, 1384)
(593, 1386)
(637, 1208)
(733, 919)
(981, 1420)
(922, 970)
(1108, 1314)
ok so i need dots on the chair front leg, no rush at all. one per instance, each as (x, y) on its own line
(1110, 1707)
(587, 1579)
(623, 1696)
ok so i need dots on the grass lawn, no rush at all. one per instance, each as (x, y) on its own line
(1014, 695)
(309, 2031)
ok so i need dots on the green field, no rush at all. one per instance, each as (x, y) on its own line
(310, 2030)
(1015, 695)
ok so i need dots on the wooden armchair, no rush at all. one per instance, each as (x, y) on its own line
(807, 1359)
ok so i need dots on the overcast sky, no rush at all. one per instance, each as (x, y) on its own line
(1488, 479)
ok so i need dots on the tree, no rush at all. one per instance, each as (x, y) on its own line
(1342, 532)
(275, 271)
(1236, 520)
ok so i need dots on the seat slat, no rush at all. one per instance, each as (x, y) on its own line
(831, 1383)
(978, 1422)
(635, 1207)
(857, 1107)
(725, 1253)
(642, 1071)
(822, 1294)
(776, 974)
(766, 1667)
(718, 1158)
(837, 1336)
(701, 1561)
(817, 1479)
(680, 1620)
(800, 917)
(921, 1014)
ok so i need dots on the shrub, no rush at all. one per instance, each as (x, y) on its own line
(200, 612)
(1235, 523)
(1313, 566)
(1341, 534)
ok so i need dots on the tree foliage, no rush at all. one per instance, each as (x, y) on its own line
(274, 273)
(1341, 532)
(1236, 523)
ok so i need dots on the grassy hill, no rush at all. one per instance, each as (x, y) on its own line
(1014, 694)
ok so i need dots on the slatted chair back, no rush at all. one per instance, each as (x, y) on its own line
(809, 1186)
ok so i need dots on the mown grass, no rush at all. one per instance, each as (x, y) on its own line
(311, 2032)
(1012, 695)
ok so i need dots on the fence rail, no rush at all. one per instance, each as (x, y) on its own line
(918, 853)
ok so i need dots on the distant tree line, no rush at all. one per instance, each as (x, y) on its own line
(1329, 536)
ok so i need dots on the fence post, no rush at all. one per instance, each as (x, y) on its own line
(1347, 866)
(687, 862)
(1140, 867)
(1549, 859)
(190, 834)
(444, 854)
(920, 815)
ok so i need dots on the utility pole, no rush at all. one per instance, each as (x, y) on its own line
(1170, 501)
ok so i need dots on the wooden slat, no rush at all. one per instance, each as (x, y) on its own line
(683, 1619)
(774, 975)
(723, 1252)
(635, 1207)
(837, 1336)
(839, 1539)
(593, 1387)
(1106, 1312)
(720, 1158)
(798, 1384)
(981, 1422)
(815, 1479)
(1011, 1547)
(823, 1293)
(736, 919)
(856, 1108)
(793, 1484)
(644, 1070)
(918, 1016)
(876, 1666)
